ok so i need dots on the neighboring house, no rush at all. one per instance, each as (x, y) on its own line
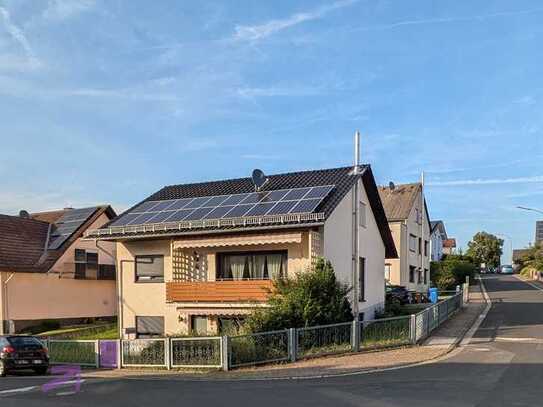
(408, 219)
(449, 246)
(438, 235)
(48, 272)
(197, 258)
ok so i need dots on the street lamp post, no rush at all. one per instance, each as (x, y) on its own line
(530, 209)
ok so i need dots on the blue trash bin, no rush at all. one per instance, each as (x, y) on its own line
(432, 293)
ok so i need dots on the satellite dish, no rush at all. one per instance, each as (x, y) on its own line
(391, 186)
(24, 214)
(259, 179)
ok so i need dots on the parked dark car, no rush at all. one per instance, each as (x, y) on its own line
(19, 352)
(398, 292)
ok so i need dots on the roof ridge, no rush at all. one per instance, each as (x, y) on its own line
(271, 175)
(23, 219)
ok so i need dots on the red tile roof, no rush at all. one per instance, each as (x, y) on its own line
(450, 243)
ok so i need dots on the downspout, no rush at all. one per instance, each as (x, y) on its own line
(6, 302)
(422, 212)
(355, 215)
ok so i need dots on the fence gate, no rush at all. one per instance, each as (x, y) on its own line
(108, 353)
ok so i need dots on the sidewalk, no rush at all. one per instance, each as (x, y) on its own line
(442, 341)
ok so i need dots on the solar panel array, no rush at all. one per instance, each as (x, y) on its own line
(67, 225)
(279, 202)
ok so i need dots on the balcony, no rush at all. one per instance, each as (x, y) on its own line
(219, 291)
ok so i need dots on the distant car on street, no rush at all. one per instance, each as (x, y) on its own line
(506, 270)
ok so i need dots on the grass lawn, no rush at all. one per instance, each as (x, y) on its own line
(84, 332)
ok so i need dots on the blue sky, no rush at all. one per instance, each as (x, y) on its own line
(107, 101)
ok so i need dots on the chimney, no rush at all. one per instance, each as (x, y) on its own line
(356, 169)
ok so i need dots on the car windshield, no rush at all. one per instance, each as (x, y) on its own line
(24, 341)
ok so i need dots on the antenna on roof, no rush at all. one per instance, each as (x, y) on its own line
(24, 214)
(391, 185)
(422, 178)
(259, 179)
(356, 169)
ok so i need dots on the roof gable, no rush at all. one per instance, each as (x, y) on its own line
(398, 201)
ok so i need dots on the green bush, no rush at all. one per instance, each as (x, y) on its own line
(311, 298)
(452, 271)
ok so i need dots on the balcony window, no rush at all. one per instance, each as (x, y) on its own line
(252, 265)
(150, 269)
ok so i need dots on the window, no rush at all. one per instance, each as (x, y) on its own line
(150, 269)
(412, 274)
(418, 216)
(198, 325)
(387, 271)
(362, 214)
(425, 276)
(106, 272)
(413, 243)
(419, 276)
(149, 327)
(362, 279)
(420, 245)
(426, 247)
(86, 264)
(252, 265)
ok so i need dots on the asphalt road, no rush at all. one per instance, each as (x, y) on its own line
(502, 366)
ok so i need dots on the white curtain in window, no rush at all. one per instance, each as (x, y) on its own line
(257, 271)
(237, 265)
(274, 265)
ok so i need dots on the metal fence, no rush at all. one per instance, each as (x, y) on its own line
(77, 352)
(204, 352)
(383, 333)
(323, 340)
(253, 349)
(144, 352)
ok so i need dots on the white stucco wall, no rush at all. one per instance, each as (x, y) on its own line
(337, 247)
(436, 243)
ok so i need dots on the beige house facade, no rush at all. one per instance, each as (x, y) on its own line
(409, 224)
(68, 280)
(183, 277)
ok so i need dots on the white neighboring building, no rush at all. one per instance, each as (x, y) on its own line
(438, 235)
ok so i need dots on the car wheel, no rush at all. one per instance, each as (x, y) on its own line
(40, 370)
(3, 371)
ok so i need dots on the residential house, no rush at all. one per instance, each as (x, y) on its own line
(438, 235)
(449, 246)
(200, 257)
(408, 219)
(48, 272)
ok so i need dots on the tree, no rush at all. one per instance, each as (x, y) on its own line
(311, 298)
(533, 258)
(485, 248)
(452, 271)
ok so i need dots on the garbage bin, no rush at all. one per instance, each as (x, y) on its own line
(432, 293)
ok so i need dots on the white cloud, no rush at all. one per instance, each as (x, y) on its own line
(493, 181)
(257, 32)
(277, 91)
(63, 9)
(19, 36)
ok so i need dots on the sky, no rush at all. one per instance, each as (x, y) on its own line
(108, 101)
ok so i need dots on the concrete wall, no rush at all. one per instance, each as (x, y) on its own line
(337, 247)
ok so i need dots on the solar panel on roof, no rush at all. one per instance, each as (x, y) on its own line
(296, 194)
(260, 209)
(68, 223)
(306, 206)
(278, 202)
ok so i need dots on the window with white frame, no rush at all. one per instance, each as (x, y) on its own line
(387, 271)
(413, 243)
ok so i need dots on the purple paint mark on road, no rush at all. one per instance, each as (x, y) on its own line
(68, 375)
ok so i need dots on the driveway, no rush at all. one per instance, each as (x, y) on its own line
(502, 366)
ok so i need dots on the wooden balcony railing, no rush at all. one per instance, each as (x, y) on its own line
(219, 291)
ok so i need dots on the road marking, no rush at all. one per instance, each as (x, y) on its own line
(20, 390)
(502, 338)
(469, 336)
(481, 349)
(529, 283)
